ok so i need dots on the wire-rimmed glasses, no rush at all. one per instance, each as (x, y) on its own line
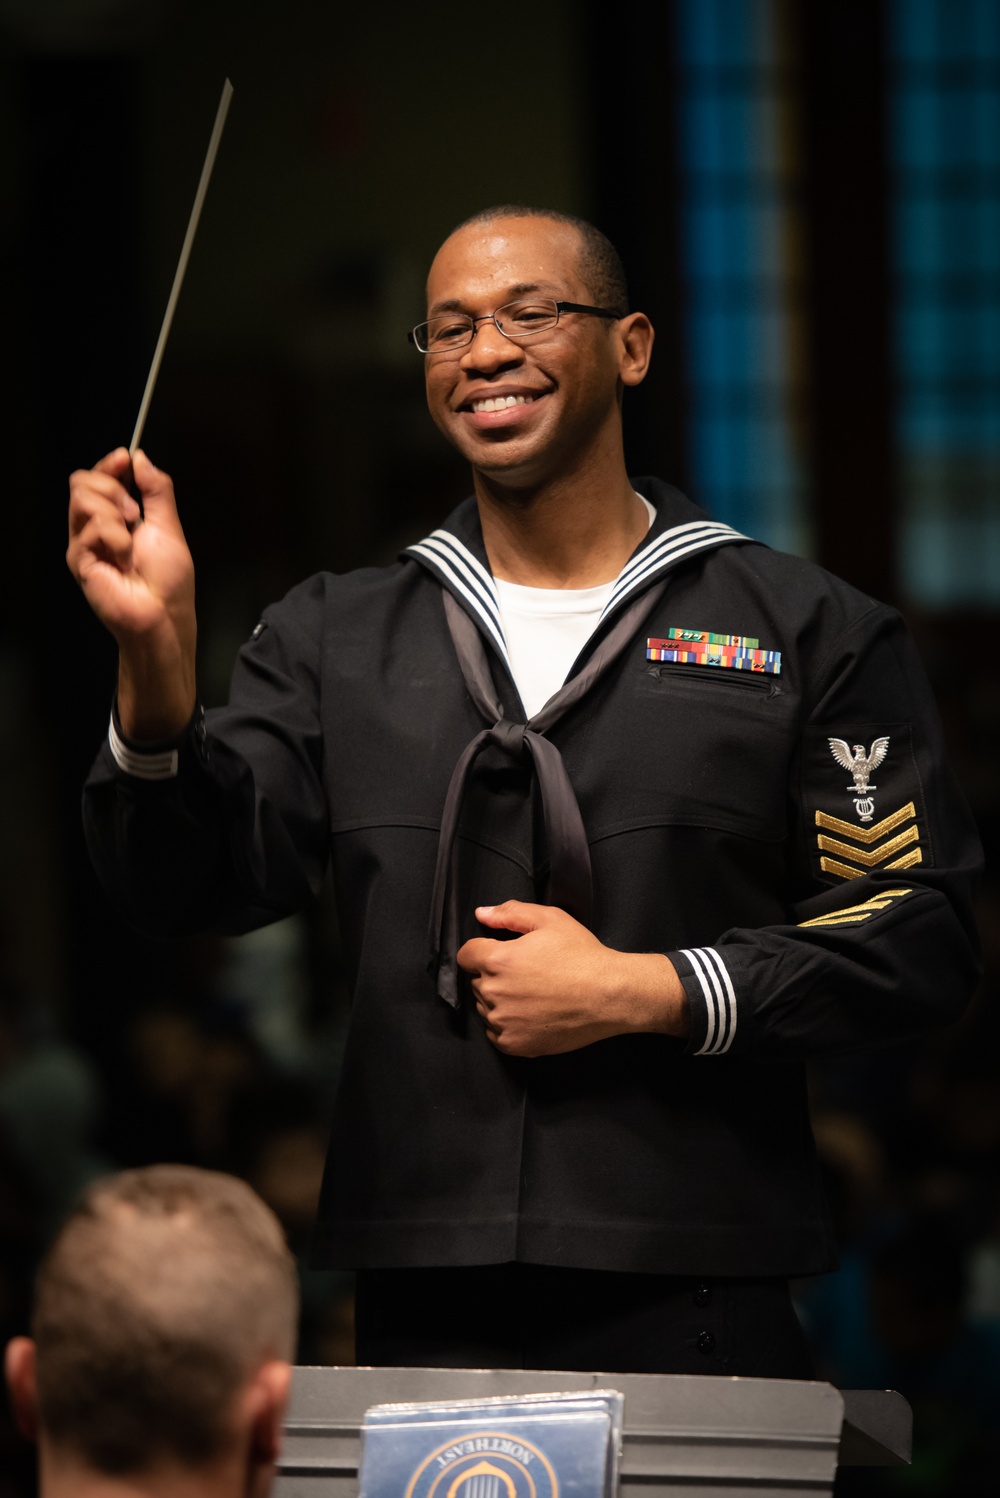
(520, 319)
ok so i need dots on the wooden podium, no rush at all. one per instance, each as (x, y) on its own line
(696, 1435)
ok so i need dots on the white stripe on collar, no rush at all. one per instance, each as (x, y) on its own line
(468, 575)
(670, 547)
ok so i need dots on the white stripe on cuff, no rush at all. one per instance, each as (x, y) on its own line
(154, 764)
(710, 1002)
(720, 999)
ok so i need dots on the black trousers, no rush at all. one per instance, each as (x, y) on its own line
(533, 1316)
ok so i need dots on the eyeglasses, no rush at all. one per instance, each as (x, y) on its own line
(454, 330)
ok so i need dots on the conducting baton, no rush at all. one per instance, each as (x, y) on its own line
(175, 290)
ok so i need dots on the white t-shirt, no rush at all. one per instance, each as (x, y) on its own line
(546, 628)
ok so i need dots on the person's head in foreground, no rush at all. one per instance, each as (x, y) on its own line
(163, 1334)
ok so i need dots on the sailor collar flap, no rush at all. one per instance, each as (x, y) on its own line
(455, 554)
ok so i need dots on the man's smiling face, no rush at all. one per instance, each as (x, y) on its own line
(522, 411)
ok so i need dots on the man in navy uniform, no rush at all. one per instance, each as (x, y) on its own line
(604, 882)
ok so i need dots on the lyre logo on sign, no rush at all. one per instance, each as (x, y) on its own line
(485, 1464)
(483, 1481)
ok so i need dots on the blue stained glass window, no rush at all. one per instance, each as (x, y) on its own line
(741, 269)
(945, 155)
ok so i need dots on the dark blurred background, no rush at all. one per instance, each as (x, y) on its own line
(807, 197)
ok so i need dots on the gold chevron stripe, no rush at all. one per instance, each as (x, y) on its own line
(844, 870)
(843, 920)
(870, 907)
(866, 835)
(852, 913)
(869, 860)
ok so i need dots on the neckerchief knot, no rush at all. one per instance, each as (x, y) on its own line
(510, 738)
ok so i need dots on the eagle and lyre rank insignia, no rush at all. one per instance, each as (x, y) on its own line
(700, 647)
(870, 820)
(860, 765)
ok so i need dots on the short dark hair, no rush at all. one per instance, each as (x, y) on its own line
(163, 1294)
(600, 262)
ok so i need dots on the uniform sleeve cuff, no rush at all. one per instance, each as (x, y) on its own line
(144, 761)
(711, 998)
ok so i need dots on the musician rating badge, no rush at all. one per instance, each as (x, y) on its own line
(872, 819)
(860, 764)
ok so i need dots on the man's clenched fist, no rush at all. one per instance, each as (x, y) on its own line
(557, 988)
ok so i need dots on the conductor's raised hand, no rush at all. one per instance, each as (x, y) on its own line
(557, 988)
(138, 577)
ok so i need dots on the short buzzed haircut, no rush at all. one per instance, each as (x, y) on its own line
(600, 262)
(165, 1291)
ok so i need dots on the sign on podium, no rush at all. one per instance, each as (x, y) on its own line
(712, 1436)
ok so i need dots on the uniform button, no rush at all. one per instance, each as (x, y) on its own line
(702, 1295)
(706, 1343)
